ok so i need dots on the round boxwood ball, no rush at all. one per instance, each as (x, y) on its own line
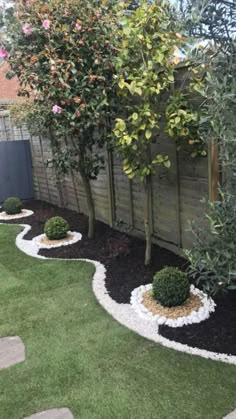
(12, 205)
(56, 228)
(170, 287)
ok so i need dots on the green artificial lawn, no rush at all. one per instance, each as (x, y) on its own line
(78, 357)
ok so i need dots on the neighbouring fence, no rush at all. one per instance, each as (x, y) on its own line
(15, 170)
(176, 192)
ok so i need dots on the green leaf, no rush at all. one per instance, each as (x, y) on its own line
(138, 90)
(117, 133)
(135, 116)
(127, 139)
(131, 175)
(120, 125)
(121, 84)
(167, 164)
(148, 134)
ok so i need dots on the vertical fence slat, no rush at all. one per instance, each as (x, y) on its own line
(174, 199)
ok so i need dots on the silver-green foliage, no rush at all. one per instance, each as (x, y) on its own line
(213, 256)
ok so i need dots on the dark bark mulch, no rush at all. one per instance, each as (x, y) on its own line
(123, 257)
(121, 254)
(217, 334)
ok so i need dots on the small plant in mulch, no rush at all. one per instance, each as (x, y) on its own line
(12, 205)
(118, 246)
(56, 228)
(171, 300)
(171, 287)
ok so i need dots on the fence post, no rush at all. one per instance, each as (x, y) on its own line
(178, 198)
(131, 205)
(213, 170)
(110, 184)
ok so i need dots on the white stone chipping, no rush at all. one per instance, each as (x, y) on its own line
(7, 217)
(123, 313)
(75, 237)
(203, 313)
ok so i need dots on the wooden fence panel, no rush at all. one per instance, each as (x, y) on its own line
(176, 192)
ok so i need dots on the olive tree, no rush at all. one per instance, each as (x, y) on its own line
(212, 259)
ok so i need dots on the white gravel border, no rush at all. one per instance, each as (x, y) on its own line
(123, 313)
(76, 236)
(8, 217)
(203, 313)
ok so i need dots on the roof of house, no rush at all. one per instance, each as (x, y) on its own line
(8, 88)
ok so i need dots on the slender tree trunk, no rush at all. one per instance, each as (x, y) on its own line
(54, 144)
(148, 235)
(90, 203)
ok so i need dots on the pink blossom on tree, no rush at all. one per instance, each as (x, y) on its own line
(3, 53)
(27, 29)
(56, 109)
(46, 24)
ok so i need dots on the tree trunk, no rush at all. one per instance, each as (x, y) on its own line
(148, 235)
(91, 211)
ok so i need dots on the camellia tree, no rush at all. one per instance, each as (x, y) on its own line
(61, 51)
(145, 71)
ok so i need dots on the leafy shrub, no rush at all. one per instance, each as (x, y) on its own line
(56, 228)
(212, 258)
(170, 287)
(12, 205)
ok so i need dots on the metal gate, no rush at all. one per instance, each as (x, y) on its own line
(15, 170)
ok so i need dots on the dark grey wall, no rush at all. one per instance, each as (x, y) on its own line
(15, 170)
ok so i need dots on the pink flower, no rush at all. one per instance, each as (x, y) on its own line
(78, 25)
(56, 109)
(46, 24)
(27, 29)
(3, 53)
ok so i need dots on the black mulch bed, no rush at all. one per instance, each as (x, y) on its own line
(123, 257)
(217, 334)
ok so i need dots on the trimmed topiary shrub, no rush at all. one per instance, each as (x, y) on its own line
(12, 205)
(56, 228)
(170, 287)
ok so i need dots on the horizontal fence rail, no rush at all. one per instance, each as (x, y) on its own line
(176, 192)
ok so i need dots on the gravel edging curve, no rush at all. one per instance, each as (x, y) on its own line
(23, 214)
(76, 236)
(123, 313)
(203, 313)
